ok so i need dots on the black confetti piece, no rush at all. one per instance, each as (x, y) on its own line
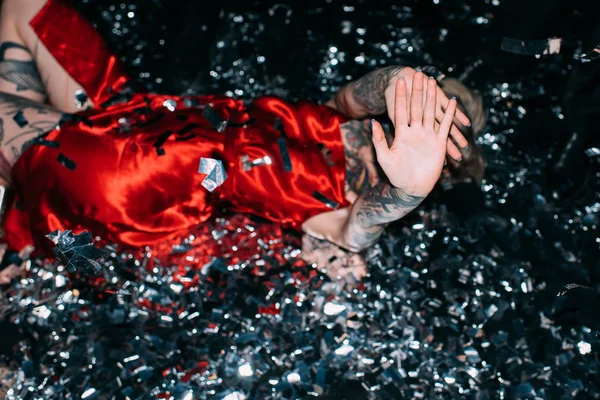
(215, 119)
(48, 143)
(328, 202)
(20, 119)
(278, 125)
(285, 155)
(244, 124)
(186, 129)
(162, 138)
(80, 98)
(123, 96)
(66, 161)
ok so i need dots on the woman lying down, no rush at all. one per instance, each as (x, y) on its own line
(81, 153)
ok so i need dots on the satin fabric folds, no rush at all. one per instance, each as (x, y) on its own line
(128, 172)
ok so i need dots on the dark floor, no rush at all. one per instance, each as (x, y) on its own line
(481, 293)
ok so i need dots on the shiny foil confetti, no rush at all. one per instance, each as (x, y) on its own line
(248, 164)
(532, 47)
(77, 252)
(214, 171)
(590, 56)
(460, 300)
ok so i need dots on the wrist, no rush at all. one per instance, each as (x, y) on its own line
(414, 195)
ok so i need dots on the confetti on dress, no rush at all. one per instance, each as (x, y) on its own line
(214, 171)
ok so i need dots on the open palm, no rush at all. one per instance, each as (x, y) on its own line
(415, 160)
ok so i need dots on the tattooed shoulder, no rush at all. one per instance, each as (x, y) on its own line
(23, 74)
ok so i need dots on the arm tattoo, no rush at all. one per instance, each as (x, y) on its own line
(11, 104)
(384, 204)
(15, 139)
(24, 74)
(369, 91)
(370, 215)
(355, 138)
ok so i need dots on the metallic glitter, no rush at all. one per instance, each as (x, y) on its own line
(214, 171)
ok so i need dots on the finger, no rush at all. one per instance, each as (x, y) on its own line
(446, 123)
(456, 134)
(379, 142)
(416, 103)
(429, 114)
(458, 137)
(452, 150)
(401, 104)
(460, 116)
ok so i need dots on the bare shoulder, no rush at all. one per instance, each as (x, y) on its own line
(22, 8)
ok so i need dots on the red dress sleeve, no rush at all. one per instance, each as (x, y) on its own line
(79, 49)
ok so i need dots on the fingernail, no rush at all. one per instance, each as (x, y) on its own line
(466, 147)
(453, 98)
(445, 162)
(470, 124)
(401, 77)
(418, 69)
(460, 159)
(371, 123)
(431, 77)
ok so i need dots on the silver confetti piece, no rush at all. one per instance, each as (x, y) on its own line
(592, 152)
(215, 172)
(531, 47)
(590, 56)
(170, 104)
(247, 164)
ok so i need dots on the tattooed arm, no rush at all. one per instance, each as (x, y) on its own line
(373, 94)
(22, 122)
(18, 72)
(412, 164)
(367, 95)
(370, 214)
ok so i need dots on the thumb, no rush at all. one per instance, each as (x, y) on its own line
(379, 142)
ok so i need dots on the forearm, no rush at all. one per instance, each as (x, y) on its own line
(371, 213)
(367, 95)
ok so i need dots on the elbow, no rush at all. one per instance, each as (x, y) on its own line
(355, 246)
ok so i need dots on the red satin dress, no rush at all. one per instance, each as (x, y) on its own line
(128, 172)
